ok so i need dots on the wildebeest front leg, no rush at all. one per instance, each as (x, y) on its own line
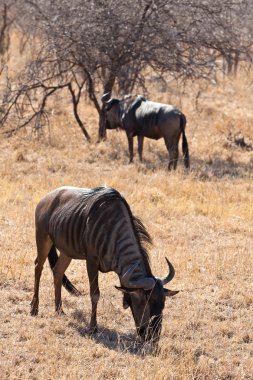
(92, 270)
(44, 244)
(140, 146)
(131, 148)
(59, 270)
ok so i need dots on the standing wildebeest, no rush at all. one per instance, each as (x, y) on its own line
(98, 226)
(142, 118)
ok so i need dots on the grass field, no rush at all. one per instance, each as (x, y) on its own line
(202, 221)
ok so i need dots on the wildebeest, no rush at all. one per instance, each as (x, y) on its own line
(143, 118)
(98, 226)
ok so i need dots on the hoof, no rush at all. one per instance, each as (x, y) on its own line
(34, 312)
(60, 313)
(34, 307)
(93, 330)
(77, 293)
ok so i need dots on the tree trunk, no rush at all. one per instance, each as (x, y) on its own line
(75, 101)
(102, 115)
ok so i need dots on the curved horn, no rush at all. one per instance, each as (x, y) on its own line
(145, 283)
(106, 97)
(170, 275)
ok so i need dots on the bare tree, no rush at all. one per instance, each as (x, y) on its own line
(6, 21)
(94, 46)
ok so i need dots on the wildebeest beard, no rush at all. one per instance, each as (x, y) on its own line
(156, 304)
(149, 330)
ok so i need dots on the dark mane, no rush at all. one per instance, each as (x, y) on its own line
(130, 105)
(142, 236)
(102, 195)
(144, 240)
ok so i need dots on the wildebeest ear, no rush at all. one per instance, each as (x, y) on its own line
(124, 290)
(170, 293)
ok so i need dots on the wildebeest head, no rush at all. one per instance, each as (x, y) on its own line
(147, 301)
(113, 109)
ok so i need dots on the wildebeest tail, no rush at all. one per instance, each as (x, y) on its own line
(52, 258)
(184, 142)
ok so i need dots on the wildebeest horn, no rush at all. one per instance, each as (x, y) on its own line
(170, 275)
(106, 97)
(145, 283)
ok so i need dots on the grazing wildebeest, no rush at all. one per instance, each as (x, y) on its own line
(98, 226)
(143, 118)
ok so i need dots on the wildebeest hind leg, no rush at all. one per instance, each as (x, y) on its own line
(44, 244)
(92, 270)
(173, 154)
(59, 270)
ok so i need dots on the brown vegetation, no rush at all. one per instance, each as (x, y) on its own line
(201, 221)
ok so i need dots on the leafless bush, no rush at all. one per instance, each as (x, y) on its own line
(93, 47)
(6, 19)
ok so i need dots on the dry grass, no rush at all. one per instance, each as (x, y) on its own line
(201, 221)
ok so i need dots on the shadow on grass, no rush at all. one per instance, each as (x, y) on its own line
(214, 168)
(110, 338)
(156, 158)
(218, 167)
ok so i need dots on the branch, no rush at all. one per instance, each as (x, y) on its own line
(37, 114)
(25, 93)
(75, 101)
